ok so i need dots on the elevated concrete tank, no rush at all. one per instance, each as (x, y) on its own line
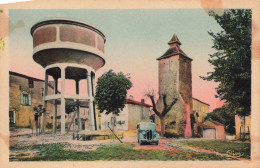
(68, 50)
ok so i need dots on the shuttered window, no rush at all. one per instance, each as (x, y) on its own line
(30, 83)
(25, 99)
(12, 117)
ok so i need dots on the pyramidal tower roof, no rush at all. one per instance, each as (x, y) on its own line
(174, 40)
(174, 49)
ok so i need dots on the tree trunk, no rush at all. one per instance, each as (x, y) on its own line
(113, 125)
(113, 121)
(162, 120)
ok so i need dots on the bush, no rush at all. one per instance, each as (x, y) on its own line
(171, 135)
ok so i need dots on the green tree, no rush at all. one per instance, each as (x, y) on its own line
(111, 92)
(224, 116)
(232, 61)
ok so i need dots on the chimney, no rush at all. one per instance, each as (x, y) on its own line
(142, 101)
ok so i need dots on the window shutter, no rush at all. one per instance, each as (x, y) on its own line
(14, 118)
(29, 100)
(21, 98)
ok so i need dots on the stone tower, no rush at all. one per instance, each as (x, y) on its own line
(175, 81)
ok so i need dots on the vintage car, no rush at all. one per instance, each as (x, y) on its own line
(146, 133)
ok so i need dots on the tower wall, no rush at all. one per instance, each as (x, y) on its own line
(175, 82)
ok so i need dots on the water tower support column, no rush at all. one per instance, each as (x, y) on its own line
(62, 105)
(44, 102)
(90, 104)
(94, 107)
(54, 120)
(77, 104)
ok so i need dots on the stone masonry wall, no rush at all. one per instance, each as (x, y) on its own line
(25, 114)
(174, 81)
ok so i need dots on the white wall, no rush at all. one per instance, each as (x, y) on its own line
(123, 117)
(209, 133)
(137, 113)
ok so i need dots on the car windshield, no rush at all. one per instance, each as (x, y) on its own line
(147, 126)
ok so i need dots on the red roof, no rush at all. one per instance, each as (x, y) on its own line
(205, 126)
(130, 101)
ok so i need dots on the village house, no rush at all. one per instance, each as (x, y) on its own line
(210, 130)
(25, 93)
(219, 129)
(204, 131)
(206, 128)
(133, 113)
(242, 125)
(200, 109)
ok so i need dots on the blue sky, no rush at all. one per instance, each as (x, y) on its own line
(134, 39)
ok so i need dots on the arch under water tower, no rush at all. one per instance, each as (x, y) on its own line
(68, 50)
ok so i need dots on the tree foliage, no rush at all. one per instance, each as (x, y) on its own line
(232, 61)
(111, 91)
(224, 116)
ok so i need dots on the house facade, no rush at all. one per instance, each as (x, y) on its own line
(242, 125)
(133, 113)
(205, 131)
(200, 109)
(206, 128)
(25, 92)
(219, 129)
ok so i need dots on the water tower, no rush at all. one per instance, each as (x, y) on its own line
(68, 50)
